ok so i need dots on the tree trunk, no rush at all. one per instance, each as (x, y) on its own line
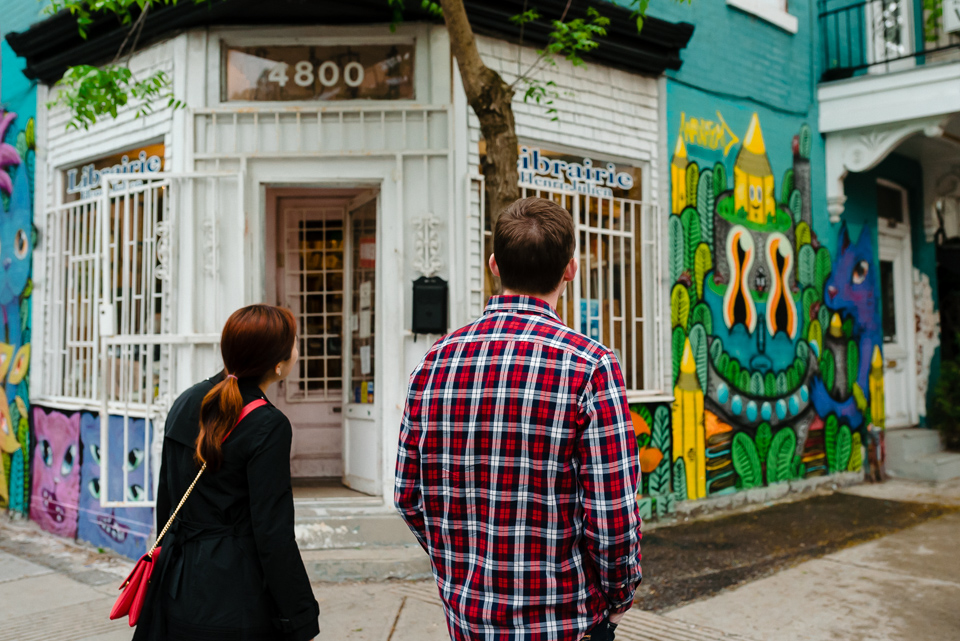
(492, 100)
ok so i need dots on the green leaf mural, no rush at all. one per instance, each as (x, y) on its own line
(733, 371)
(856, 454)
(679, 306)
(743, 381)
(680, 479)
(660, 432)
(756, 384)
(830, 429)
(658, 483)
(796, 204)
(676, 345)
(806, 258)
(675, 229)
(806, 141)
(786, 186)
(807, 301)
(706, 199)
(645, 507)
(847, 327)
(821, 269)
(770, 385)
(828, 370)
(803, 235)
(815, 335)
(780, 456)
(719, 179)
(701, 314)
(782, 385)
(702, 263)
(693, 177)
(800, 368)
(698, 345)
(844, 447)
(746, 462)
(716, 347)
(824, 316)
(763, 440)
(690, 220)
(723, 364)
(803, 351)
(793, 379)
(853, 363)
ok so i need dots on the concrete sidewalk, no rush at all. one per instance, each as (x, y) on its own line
(903, 585)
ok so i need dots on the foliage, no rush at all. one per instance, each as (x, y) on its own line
(645, 508)
(815, 334)
(680, 479)
(780, 458)
(795, 204)
(693, 180)
(698, 345)
(803, 234)
(89, 93)
(844, 447)
(805, 266)
(856, 455)
(676, 349)
(706, 199)
(828, 370)
(807, 301)
(822, 269)
(945, 412)
(743, 382)
(763, 440)
(756, 384)
(830, 428)
(675, 230)
(733, 371)
(691, 236)
(770, 385)
(701, 314)
(853, 363)
(716, 349)
(660, 435)
(702, 263)
(719, 179)
(786, 186)
(746, 462)
(931, 24)
(679, 306)
(806, 141)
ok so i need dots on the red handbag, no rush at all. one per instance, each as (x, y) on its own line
(133, 591)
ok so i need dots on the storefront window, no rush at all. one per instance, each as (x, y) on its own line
(318, 73)
(363, 270)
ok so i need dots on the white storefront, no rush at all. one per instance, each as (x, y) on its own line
(331, 201)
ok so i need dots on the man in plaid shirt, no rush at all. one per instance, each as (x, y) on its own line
(517, 468)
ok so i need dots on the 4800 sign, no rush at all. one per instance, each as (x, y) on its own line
(270, 73)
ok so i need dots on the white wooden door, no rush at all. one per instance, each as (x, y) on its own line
(309, 271)
(897, 321)
(362, 431)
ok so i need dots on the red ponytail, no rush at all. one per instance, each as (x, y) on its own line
(254, 340)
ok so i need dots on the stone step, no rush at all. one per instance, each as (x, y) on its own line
(362, 564)
(911, 444)
(325, 527)
(942, 466)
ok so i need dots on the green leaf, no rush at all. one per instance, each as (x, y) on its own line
(745, 461)
(853, 363)
(828, 370)
(770, 385)
(719, 179)
(677, 256)
(701, 314)
(716, 347)
(679, 306)
(659, 482)
(822, 269)
(763, 440)
(780, 456)
(645, 507)
(660, 432)
(693, 180)
(678, 339)
(705, 204)
(756, 384)
(691, 230)
(786, 186)
(856, 454)
(844, 447)
(830, 429)
(796, 204)
(698, 345)
(680, 479)
(702, 263)
(806, 259)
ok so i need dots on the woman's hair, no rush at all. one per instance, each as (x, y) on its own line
(254, 340)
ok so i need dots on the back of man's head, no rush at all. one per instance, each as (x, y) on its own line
(533, 243)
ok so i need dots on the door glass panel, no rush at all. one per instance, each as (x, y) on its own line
(314, 289)
(888, 301)
(890, 203)
(363, 270)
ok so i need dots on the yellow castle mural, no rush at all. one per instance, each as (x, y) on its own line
(753, 178)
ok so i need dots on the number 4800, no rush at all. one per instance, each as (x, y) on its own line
(328, 73)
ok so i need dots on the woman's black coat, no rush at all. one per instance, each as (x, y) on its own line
(230, 567)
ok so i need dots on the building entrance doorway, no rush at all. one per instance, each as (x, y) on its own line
(321, 264)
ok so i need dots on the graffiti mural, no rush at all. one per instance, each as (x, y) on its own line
(124, 530)
(56, 472)
(17, 239)
(777, 370)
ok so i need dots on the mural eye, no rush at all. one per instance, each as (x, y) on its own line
(95, 453)
(759, 193)
(134, 459)
(21, 244)
(94, 488)
(68, 460)
(135, 493)
(860, 272)
(47, 453)
(751, 193)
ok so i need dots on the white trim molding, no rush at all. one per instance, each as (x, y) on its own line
(863, 149)
(767, 10)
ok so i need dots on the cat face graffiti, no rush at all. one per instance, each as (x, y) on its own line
(8, 153)
(16, 244)
(124, 530)
(851, 288)
(56, 472)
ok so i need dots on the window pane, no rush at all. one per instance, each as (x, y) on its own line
(890, 203)
(888, 302)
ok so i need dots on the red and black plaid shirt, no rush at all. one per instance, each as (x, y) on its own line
(518, 472)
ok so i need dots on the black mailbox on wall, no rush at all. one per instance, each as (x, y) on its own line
(429, 305)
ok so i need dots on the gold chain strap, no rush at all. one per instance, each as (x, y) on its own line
(174, 515)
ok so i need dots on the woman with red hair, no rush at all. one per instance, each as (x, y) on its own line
(229, 567)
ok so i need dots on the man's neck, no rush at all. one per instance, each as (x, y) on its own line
(550, 299)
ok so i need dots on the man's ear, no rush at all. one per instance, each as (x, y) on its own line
(570, 273)
(494, 268)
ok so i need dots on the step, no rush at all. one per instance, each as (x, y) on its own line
(362, 564)
(324, 527)
(942, 466)
(911, 444)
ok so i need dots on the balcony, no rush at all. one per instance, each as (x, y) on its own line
(883, 36)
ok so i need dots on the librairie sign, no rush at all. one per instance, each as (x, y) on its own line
(85, 181)
(559, 172)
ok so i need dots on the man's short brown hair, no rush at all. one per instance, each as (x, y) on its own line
(533, 242)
